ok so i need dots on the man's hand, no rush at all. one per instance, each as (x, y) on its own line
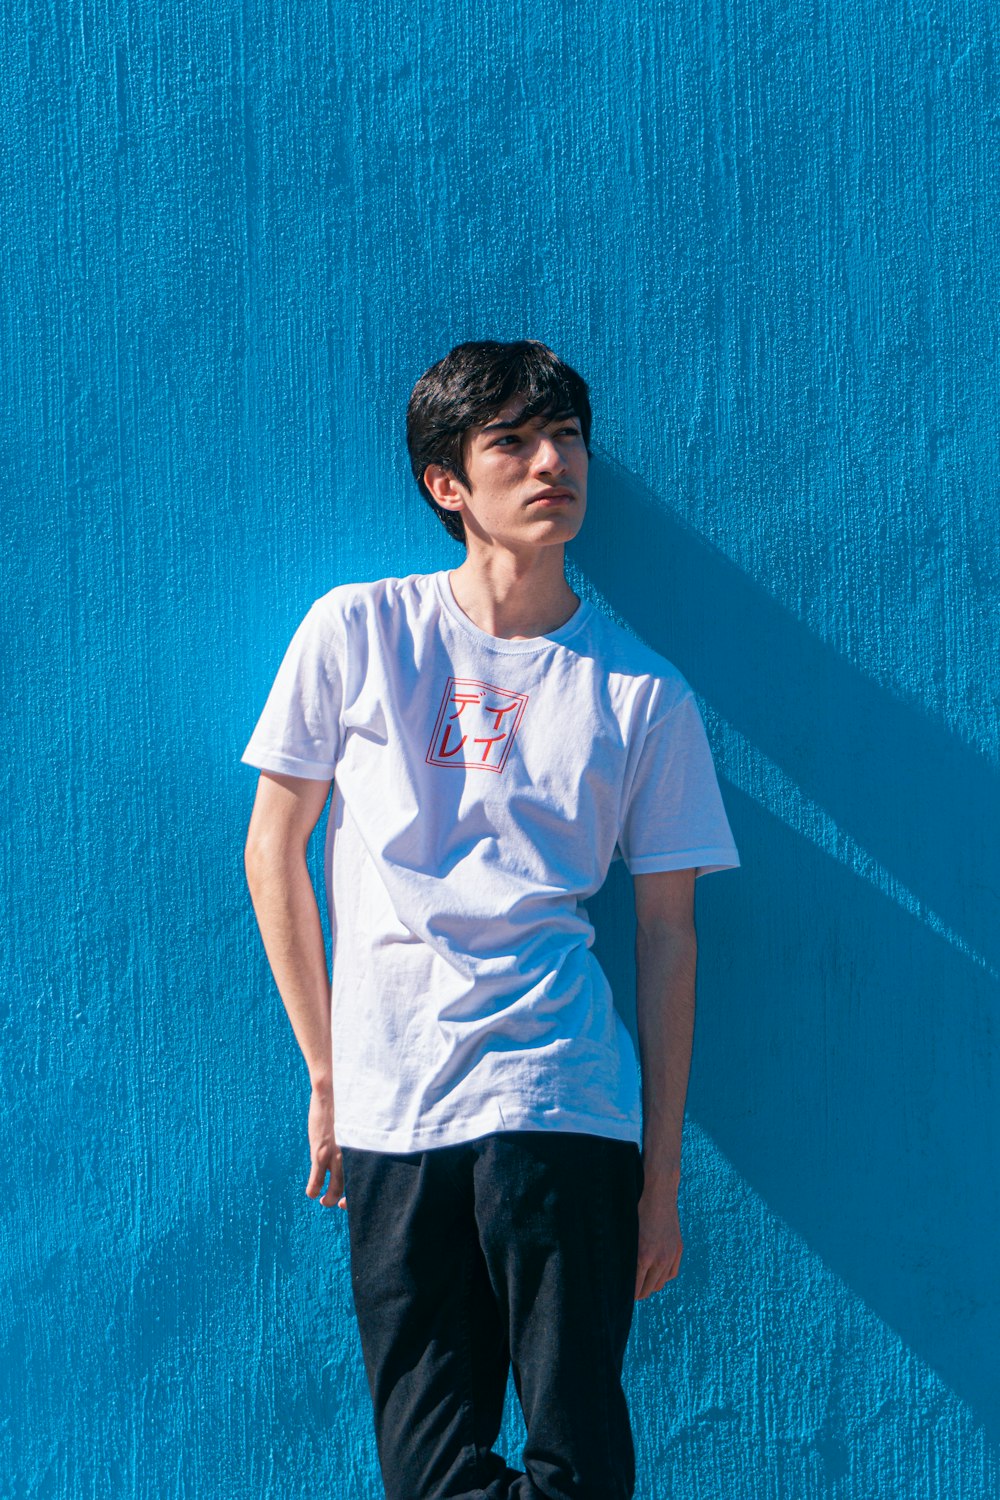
(660, 1244)
(324, 1151)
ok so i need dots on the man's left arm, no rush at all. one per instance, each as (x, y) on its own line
(666, 958)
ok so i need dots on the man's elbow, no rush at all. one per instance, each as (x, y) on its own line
(670, 933)
(267, 851)
(253, 860)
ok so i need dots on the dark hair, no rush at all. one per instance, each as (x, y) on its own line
(467, 388)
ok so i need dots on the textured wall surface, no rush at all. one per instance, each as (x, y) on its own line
(232, 237)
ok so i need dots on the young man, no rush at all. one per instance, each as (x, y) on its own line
(493, 743)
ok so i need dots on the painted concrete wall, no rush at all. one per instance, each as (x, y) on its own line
(232, 237)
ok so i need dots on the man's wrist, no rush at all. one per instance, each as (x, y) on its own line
(663, 1168)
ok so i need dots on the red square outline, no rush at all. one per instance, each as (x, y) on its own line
(472, 765)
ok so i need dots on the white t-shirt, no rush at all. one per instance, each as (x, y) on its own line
(481, 789)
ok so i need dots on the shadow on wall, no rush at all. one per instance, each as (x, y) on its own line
(844, 1063)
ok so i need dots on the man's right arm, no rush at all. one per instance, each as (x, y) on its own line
(285, 812)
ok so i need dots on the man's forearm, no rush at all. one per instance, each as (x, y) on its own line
(666, 959)
(284, 902)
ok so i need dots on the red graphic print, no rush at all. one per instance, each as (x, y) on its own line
(476, 724)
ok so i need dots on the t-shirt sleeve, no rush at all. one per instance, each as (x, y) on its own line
(674, 818)
(299, 729)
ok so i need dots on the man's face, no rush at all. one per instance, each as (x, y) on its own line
(527, 480)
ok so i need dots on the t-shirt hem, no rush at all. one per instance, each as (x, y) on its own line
(459, 1132)
(702, 861)
(287, 765)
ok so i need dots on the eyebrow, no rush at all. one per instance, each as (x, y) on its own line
(559, 416)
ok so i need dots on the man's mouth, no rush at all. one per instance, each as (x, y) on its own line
(551, 497)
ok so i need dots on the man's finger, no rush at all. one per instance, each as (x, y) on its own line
(335, 1190)
(317, 1177)
(653, 1275)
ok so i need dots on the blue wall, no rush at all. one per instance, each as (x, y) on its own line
(232, 237)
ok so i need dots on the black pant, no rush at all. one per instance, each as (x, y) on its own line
(518, 1248)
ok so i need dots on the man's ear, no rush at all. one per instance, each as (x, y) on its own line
(444, 487)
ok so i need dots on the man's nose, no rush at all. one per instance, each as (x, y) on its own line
(548, 457)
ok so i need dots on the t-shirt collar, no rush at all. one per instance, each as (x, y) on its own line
(500, 643)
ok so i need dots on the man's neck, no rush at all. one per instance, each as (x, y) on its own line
(514, 600)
